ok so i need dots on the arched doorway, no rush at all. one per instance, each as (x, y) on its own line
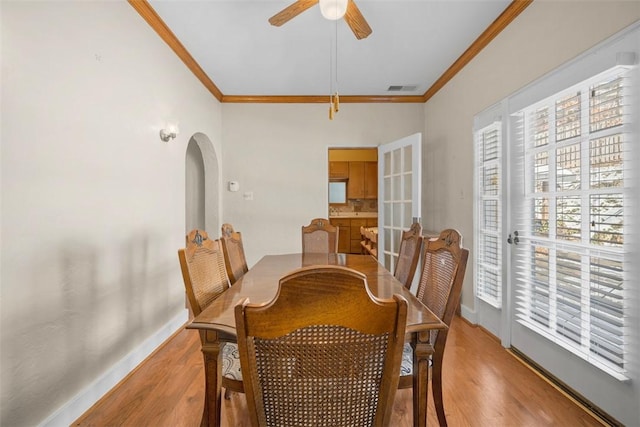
(202, 182)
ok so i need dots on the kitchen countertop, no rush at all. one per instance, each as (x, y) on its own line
(354, 215)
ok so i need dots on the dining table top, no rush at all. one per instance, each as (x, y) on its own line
(260, 284)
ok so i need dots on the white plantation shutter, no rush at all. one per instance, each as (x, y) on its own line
(572, 260)
(488, 260)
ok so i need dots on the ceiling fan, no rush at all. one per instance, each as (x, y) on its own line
(331, 9)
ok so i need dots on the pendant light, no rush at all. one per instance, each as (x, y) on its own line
(333, 9)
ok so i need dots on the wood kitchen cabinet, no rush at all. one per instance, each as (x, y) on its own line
(338, 170)
(370, 180)
(355, 186)
(355, 235)
(349, 236)
(344, 234)
(363, 180)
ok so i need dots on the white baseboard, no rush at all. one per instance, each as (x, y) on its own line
(470, 315)
(79, 404)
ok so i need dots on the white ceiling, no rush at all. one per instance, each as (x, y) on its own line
(413, 43)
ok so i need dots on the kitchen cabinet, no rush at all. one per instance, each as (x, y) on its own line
(355, 186)
(339, 170)
(370, 180)
(344, 234)
(355, 235)
(349, 236)
(363, 180)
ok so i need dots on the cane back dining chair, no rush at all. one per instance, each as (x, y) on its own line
(443, 267)
(306, 363)
(205, 278)
(408, 255)
(234, 258)
(320, 237)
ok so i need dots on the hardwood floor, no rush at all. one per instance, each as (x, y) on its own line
(484, 385)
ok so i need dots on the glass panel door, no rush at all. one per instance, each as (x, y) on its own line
(399, 203)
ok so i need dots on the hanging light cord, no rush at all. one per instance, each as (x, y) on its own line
(336, 56)
(331, 108)
(334, 100)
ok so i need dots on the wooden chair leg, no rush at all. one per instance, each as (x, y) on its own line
(436, 388)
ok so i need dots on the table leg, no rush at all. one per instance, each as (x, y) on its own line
(422, 351)
(213, 379)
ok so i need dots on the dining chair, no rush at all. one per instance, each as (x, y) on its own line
(234, 258)
(408, 255)
(443, 267)
(321, 355)
(320, 237)
(205, 278)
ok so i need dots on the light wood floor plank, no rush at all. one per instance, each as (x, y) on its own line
(484, 385)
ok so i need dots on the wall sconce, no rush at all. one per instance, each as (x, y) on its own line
(169, 133)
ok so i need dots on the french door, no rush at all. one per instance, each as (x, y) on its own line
(557, 224)
(399, 191)
(569, 211)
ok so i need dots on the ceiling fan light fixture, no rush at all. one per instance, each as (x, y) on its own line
(333, 9)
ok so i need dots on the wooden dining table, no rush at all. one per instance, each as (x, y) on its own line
(217, 323)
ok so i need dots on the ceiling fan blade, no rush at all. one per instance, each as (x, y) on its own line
(356, 21)
(291, 11)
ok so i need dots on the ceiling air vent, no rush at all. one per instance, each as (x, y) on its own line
(402, 88)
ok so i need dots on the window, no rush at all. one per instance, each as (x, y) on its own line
(571, 281)
(488, 142)
(338, 192)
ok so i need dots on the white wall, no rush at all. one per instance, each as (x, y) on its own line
(544, 36)
(279, 152)
(93, 203)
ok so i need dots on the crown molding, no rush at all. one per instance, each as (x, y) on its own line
(319, 99)
(153, 19)
(500, 23)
